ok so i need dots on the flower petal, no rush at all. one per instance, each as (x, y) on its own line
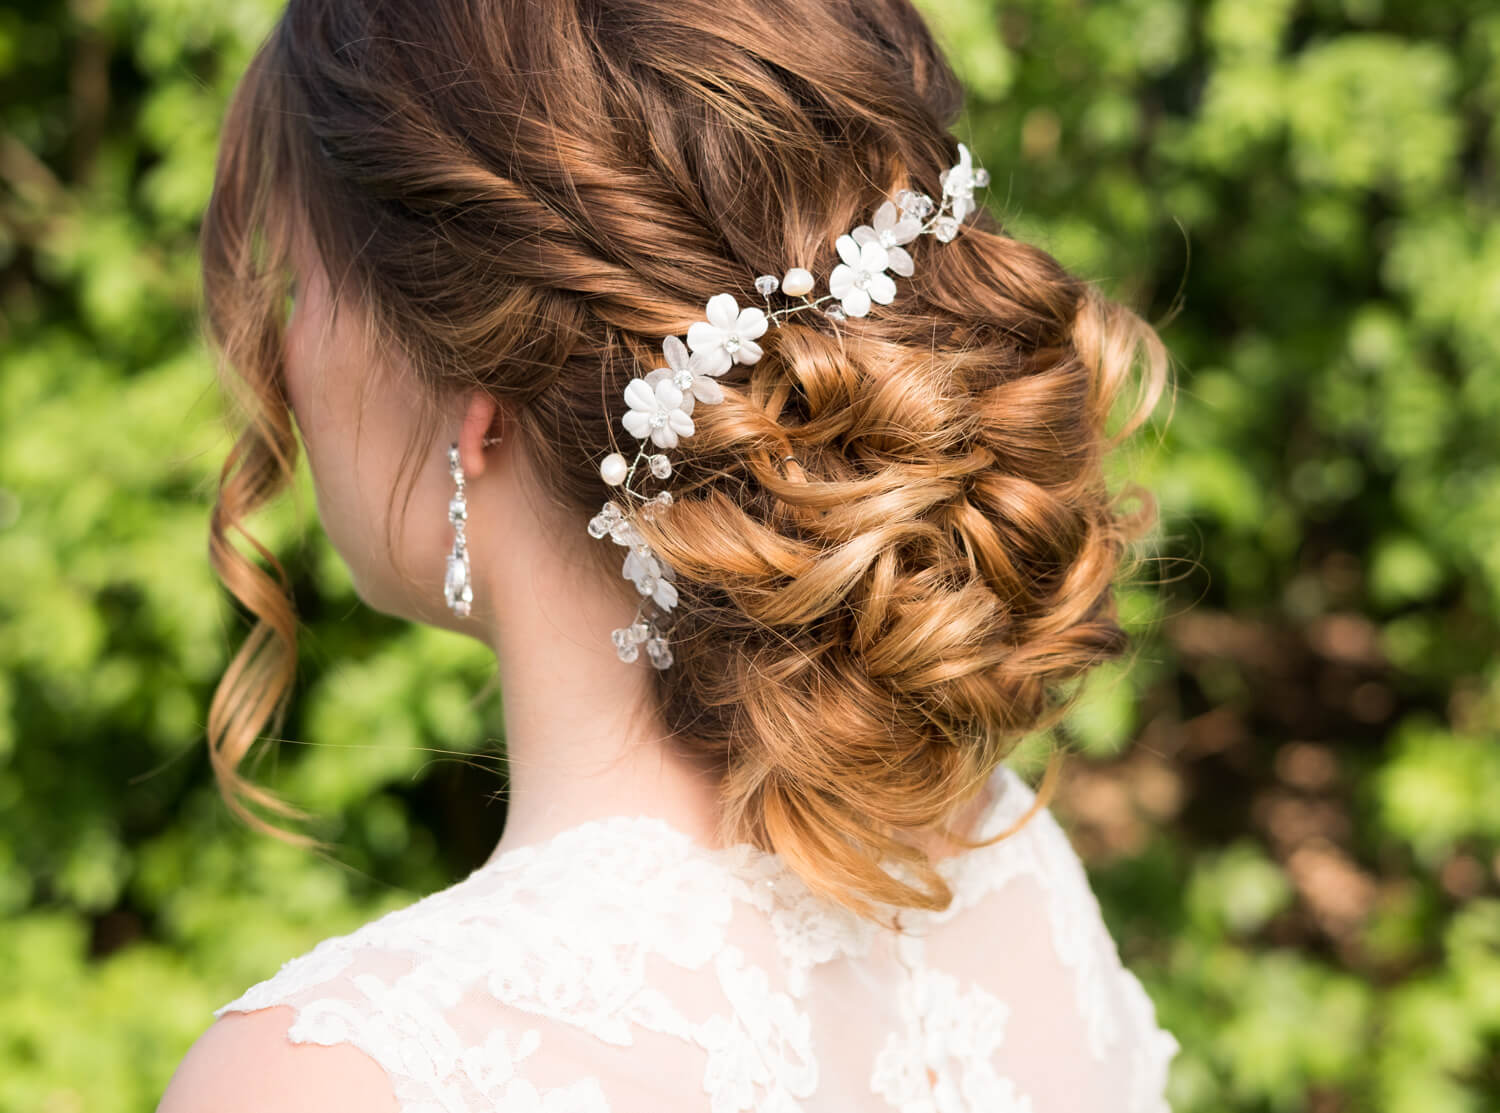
(654, 377)
(841, 281)
(641, 395)
(665, 437)
(864, 234)
(873, 257)
(848, 249)
(963, 204)
(702, 335)
(885, 216)
(631, 567)
(676, 352)
(856, 302)
(667, 394)
(637, 423)
(748, 352)
(718, 360)
(680, 422)
(899, 261)
(699, 363)
(881, 288)
(665, 594)
(722, 310)
(752, 322)
(707, 390)
(686, 405)
(907, 229)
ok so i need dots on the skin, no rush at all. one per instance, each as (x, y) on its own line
(570, 758)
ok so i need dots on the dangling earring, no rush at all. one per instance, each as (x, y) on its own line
(457, 588)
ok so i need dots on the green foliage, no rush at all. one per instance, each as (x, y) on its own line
(1304, 871)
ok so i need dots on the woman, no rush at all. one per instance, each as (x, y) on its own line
(760, 850)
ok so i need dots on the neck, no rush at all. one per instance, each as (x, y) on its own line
(580, 740)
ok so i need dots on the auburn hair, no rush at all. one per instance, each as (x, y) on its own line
(527, 199)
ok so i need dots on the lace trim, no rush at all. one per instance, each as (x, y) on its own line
(761, 1056)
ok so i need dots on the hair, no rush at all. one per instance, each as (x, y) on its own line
(863, 633)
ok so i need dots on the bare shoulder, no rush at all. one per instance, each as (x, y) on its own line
(244, 1063)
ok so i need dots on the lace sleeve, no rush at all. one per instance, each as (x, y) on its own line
(1022, 984)
(443, 1049)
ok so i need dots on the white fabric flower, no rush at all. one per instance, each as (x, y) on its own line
(650, 575)
(691, 374)
(861, 277)
(656, 411)
(958, 183)
(891, 231)
(728, 336)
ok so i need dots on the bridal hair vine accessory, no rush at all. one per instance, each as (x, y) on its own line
(661, 404)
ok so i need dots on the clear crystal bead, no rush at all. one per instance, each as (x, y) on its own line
(598, 526)
(622, 532)
(458, 510)
(835, 312)
(456, 586)
(917, 205)
(625, 649)
(645, 584)
(664, 498)
(682, 380)
(767, 284)
(981, 177)
(661, 467)
(639, 632)
(945, 228)
(732, 343)
(658, 419)
(659, 653)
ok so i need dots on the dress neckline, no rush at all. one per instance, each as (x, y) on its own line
(743, 860)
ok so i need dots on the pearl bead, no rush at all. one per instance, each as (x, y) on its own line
(613, 469)
(798, 281)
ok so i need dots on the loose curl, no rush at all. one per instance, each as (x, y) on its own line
(866, 629)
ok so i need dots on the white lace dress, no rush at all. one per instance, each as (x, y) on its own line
(623, 966)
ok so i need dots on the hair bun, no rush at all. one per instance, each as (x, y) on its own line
(868, 632)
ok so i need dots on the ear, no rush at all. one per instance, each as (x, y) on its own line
(479, 416)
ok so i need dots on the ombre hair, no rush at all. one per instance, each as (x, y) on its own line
(526, 199)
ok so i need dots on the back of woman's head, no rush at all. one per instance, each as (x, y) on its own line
(528, 198)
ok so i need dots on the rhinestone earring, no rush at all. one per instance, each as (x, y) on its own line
(457, 588)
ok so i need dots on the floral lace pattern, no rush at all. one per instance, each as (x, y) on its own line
(622, 965)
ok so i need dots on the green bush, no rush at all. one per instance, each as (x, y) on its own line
(1286, 800)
